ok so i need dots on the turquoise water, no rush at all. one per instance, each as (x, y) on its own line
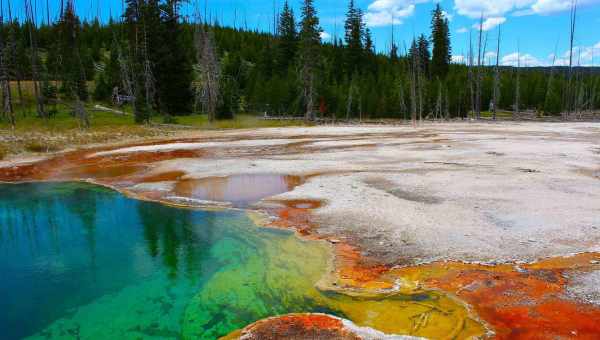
(84, 261)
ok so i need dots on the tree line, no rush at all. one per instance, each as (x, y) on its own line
(162, 63)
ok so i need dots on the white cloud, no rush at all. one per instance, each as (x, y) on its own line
(458, 59)
(489, 8)
(490, 58)
(325, 36)
(554, 6)
(386, 12)
(498, 8)
(525, 60)
(448, 15)
(582, 56)
(490, 23)
(462, 30)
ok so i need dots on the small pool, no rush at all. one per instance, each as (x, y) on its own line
(239, 190)
(82, 261)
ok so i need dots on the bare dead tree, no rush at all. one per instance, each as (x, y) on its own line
(580, 89)
(517, 110)
(471, 74)
(402, 103)
(447, 103)
(125, 73)
(479, 71)
(360, 111)
(569, 91)
(149, 81)
(551, 76)
(438, 101)
(7, 106)
(420, 88)
(207, 93)
(496, 92)
(35, 72)
(413, 89)
(593, 89)
(81, 113)
(349, 99)
(12, 58)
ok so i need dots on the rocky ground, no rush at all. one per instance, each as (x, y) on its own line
(498, 194)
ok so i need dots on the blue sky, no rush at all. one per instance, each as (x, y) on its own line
(535, 28)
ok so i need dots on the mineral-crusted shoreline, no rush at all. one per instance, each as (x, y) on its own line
(407, 208)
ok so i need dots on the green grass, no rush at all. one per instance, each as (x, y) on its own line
(499, 114)
(37, 135)
(62, 121)
(242, 121)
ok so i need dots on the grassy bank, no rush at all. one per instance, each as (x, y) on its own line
(62, 131)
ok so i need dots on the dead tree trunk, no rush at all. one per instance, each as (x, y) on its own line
(39, 96)
(517, 110)
(496, 93)
(309, 95)
(471, 75)
(12, 58)
(349, 100)
(420, 89)
(413, 90)
(210, 74)
(438, 102)
(401, 102)
(479, 71)
(149, 83)
(7, 106)
(81, 113)
(126, 76)
(570, 95)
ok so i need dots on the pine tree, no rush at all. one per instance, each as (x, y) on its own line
(354, 37)
(369, 45)
(73, 75)
(288, 39)
(424, 54)
(173, 65)
(310, 43)
(440, 36)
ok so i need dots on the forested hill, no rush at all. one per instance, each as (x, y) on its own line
(172, 67)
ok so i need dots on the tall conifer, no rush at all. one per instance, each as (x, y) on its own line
(288, 38)
(310, 43)
(440, 36)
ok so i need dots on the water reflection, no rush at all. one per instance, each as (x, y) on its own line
(240, 190)
(64, 245)
(80, 261)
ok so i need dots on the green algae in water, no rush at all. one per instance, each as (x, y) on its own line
(81, 261)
